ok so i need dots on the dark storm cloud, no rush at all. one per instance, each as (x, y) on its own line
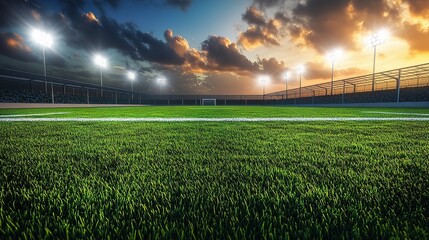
(178, 43)
(263, 30)
(269, 3)
(12, 45)
(85, 30)
(255, 36)
(327, 23)
(282, 17)
(225, 54)
(419, 7)
(219, 55)
(254, 16)
(18, 12)
(182, 4)
(273, 67)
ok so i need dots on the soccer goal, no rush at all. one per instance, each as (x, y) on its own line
(208, 102)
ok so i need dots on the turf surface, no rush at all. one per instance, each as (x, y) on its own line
(220, 111)
(214, 180)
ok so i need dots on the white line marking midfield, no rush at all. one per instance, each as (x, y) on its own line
(305, 119)
(33, 114)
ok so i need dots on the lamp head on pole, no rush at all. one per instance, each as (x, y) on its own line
(131, 75)
(100, 61)
(264, 79)
(286, 75)
(301, 69)
(335, 55)
(161, 81)
(378, 38)
(42, 38)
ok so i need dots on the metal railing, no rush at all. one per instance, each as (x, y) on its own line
(408, 77)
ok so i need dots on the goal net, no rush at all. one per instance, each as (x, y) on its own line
(208, 102)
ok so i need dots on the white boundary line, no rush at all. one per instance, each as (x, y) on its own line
(398, 113)
(33, 114)
(304, 119)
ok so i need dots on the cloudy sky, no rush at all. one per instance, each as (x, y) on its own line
(212, 46)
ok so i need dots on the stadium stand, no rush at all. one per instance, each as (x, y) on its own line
(410, 84)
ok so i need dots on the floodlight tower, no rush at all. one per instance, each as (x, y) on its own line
(101, 62)
(374, 40)
(132, 76)
(286, 78)
(301, 70)
(161, 81)
(332, 57)
(263, 80)
(45, 40)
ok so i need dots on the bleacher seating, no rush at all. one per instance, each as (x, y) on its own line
(22, 96)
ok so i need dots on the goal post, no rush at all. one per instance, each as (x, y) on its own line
(208, 102)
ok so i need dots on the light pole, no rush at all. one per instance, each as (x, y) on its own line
(132, 77)
(161, 81)
(101, 62)
(286, 77)
(263, 80)
(45, 40)
(374, 40)
(301, 70)
(332, 57)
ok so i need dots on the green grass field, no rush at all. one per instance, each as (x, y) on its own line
(219, 111)
(215, 180)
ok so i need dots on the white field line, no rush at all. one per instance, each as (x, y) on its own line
(399, 113)
(304, 119)
(33, 114)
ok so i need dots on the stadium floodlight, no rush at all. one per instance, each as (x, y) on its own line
(132, 76)
(45, 40)
(332, 57)
(375, 40)
(101, 62)
(286, 78)
(42, 38)
(263, 80)
(301, 70)
(161, 81)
